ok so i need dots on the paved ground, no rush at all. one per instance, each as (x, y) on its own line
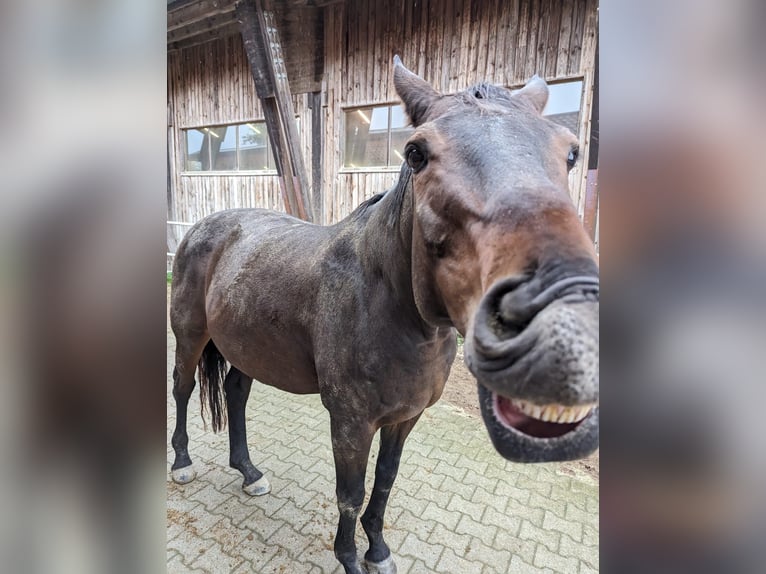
(456, 507)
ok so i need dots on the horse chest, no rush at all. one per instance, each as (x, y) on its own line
(384, 381)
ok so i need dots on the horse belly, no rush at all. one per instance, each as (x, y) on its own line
(280, 366)
(263, 341)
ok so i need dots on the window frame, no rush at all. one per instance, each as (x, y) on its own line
(345, 111)
(233, 172)
(564, 80)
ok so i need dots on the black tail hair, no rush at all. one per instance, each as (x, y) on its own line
(212, 372)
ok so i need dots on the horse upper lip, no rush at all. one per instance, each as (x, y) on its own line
(497, 352)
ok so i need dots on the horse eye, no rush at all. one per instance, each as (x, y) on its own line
(416, 159)
(437, 248)
(572, 157)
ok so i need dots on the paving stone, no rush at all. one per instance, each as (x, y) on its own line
(478, 553)
(408, 522)
(459, 504)
(451, 562)
(557, 507)
(530, 513)
(573, 513)
(507, 489)
(590, 535)
(585, 554)
(548, 559)
(524, 549)
(287, 537)
(215, 560)
(484, 532)
(418, 567)
(210, 497)
(427, 552)
(553, 522)
(450, 471)
(441, 516)
(548, 538)
(506, 522)
(481, 480)
(518, 566)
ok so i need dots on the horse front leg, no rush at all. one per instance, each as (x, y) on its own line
(351, 449)
(237, 388)
(378, 559)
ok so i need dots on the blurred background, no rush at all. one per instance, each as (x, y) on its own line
(684, 269)
(83, 292)
(82, 413)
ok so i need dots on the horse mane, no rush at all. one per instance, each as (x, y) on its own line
(392, 207)
(486, 96)
(485, 91)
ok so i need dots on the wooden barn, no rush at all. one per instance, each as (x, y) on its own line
(290, 104)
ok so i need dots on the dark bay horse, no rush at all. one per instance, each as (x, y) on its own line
(479, 235)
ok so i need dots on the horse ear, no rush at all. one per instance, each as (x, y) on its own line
(417, 95)
(535, 93)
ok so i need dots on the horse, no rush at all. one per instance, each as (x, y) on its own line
(479, 236)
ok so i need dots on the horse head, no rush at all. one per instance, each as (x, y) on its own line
(498, 252)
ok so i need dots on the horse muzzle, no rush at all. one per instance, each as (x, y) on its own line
(534, 350)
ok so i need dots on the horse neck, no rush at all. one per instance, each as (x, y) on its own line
(387, 244)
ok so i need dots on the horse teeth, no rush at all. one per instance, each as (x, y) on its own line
(554, 413)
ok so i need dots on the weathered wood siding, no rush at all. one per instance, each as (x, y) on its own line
(211, 84)
(452, 44)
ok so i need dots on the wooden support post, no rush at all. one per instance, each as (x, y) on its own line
(264, 53)
(316, 156)
(591, 203)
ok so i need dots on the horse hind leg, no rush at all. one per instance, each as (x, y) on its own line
(188, 352)
(237, 389)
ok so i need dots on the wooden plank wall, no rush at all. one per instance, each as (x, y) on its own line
(452, 44)
(211, 84)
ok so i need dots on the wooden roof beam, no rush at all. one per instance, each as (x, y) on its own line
(192, 13)
(207, 25)
(203, 37)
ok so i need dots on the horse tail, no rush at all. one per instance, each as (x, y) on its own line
(212, 372)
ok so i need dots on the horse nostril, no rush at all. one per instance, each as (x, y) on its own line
(511, 305)
(511, 311)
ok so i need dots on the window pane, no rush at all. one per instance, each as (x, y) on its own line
(223, 147)
(366, 137)
(254, 152)
(196, 160)
(563, 105)
(400, 133)
(398, 117)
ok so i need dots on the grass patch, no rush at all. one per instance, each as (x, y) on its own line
(170, 276)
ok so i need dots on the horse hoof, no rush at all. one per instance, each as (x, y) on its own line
(387, 566)
(183, 475)
(258, 488)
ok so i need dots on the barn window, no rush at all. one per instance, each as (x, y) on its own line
(239, 147)
(375, 136)
(564, 102)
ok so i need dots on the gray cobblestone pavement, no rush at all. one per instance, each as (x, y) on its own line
(456, 506)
